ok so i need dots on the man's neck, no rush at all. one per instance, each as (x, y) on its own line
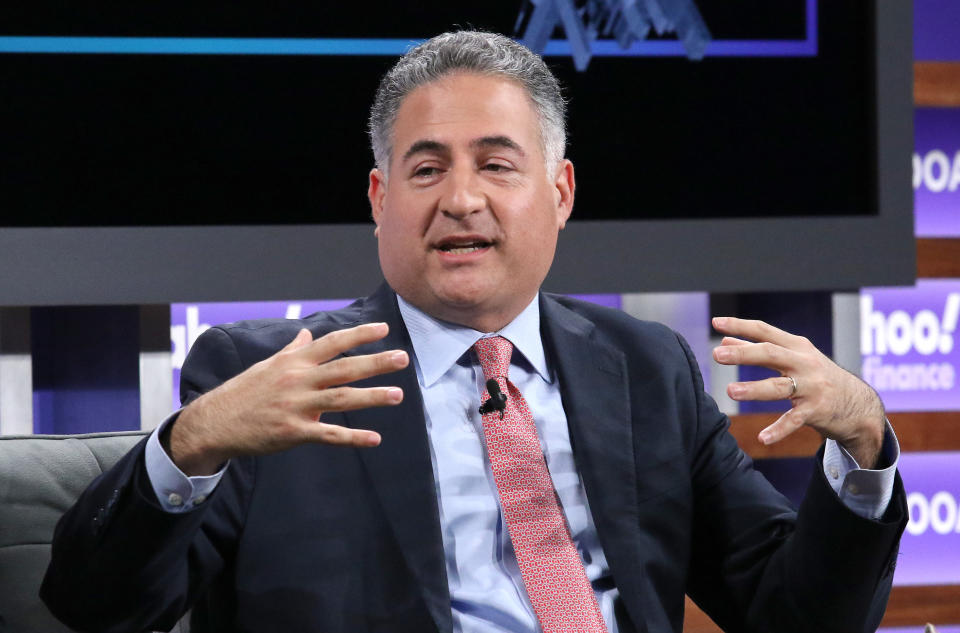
(483, 322)
(438, 344)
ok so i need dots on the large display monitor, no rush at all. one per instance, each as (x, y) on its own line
(218, 151)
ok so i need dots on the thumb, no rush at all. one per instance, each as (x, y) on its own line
(302, 338)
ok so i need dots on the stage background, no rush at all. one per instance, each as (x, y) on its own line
(81, 368)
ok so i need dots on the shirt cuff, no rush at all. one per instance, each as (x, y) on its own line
(176, 492)
(865, 492)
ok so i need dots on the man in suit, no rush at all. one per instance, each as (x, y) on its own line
(317, 479)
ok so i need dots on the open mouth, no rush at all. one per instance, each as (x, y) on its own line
(463, 247)
(466, 248)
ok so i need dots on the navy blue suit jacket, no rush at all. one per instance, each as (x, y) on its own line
(323, 538)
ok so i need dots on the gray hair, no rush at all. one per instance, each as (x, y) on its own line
(477, 52)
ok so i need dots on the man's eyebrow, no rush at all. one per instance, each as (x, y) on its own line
(497, 141)
(425, 145)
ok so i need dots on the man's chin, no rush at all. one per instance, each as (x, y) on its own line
(462, 306)
(471, 309)
(465, 292)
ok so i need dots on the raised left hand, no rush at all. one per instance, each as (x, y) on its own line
(824, 396)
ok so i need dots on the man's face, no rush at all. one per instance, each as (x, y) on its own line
(468, 220)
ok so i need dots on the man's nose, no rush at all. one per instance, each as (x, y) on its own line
(464, 195)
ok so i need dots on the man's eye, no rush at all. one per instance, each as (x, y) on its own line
(496, 167)
(425, 172)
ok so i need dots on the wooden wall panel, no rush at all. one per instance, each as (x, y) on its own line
(696, 621)
(936, 84)
(745, 428)
(924, 431)
(908, 606)
(914, 606)
(938, 257)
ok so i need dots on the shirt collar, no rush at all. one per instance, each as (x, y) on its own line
(438, 344)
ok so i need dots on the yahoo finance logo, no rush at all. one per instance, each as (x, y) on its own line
(930, 548)
(898, 334)
(937, 513)
(910, 355)
(936, 172)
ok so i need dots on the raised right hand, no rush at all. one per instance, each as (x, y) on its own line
(278, 403)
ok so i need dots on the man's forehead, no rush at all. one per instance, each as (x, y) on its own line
(490, 100)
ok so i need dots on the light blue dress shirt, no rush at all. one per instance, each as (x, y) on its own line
(486, 589)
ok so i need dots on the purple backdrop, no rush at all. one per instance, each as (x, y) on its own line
(935, 27)
(908, 344)
(930, 548)
(936, 171)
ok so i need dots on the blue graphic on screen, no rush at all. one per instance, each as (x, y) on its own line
(600, 28)
(626, 21)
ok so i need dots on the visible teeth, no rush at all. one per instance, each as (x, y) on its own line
(464, 248)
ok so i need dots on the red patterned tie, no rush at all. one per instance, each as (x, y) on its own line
(554, 577)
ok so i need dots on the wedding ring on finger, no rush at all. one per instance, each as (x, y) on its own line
(793, 386)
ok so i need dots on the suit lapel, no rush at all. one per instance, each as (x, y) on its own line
(400, 468)
(595, 393)
(594, 388)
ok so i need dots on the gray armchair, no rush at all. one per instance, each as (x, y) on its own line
(40, 478)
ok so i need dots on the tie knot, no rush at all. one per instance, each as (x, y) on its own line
(494, 353)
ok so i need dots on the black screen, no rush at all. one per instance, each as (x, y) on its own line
(188, 139)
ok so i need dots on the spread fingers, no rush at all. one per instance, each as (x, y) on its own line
(334, 434)
(350, 398)
(761, 354)
(779, 388)
(784, 426)
(335, 343)
(350, 368)
(755, 330)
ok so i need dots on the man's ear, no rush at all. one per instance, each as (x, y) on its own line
(565, 184)
(376, 192)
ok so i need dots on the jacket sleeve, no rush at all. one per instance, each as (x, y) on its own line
(759, 566)
(119, 561)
